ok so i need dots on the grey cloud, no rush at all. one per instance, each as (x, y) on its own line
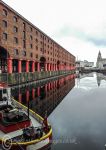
(98, 41)
(67, 31)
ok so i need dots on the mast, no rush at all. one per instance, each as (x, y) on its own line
(28, 109)
(28, 101)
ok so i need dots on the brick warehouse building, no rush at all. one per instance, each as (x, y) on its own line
(26, 50)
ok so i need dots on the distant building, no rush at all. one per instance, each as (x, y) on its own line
(83, 64)
(88, 64)
(79, 64)
(101, 62)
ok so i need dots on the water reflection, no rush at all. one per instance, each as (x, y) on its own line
(84, 75)
(93, 80)
(79, 121)
(100, 77)
(44, 97)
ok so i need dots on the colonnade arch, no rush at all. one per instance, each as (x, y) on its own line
(42, 63)
(4, 56)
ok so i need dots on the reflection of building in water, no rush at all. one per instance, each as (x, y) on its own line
(45, 97)
(85, 75)
(100, 77)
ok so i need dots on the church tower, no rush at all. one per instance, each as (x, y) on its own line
(99, 58)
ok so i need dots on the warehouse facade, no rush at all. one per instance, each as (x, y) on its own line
(26, 49)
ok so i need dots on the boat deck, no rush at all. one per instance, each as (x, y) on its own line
(32, 134)
(13, 134)
(6, 121)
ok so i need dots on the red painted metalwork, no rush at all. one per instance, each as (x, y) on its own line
(9, 61)
(38, 66)
(27, 66)
(19, 66)
(15, 127)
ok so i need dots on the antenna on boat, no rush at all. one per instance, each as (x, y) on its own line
(28, 104)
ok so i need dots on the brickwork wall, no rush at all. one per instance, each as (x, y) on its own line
(42, 45)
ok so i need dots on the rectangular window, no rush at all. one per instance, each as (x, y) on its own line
(4, 36)
(31, 46)
(24, 35)
(4, 12)
(24, 26)
(31, 29)
(4, 23)
(36, 32)
(16, 51)
(15, 19)
(16, 40)
(24, 44)
(15, 29)
(36, 48)
(24, 53)
(36, 55)
(36, 40)
(31, 38)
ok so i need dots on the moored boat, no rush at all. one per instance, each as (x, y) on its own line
(20, 127)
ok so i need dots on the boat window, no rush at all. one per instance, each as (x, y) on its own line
(4, 91)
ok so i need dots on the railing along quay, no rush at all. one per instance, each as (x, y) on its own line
(18, 78)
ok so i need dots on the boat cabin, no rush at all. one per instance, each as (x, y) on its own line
(5, 92)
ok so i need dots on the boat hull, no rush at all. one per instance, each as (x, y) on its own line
(44, 144)
(37, 144)
(30, 145)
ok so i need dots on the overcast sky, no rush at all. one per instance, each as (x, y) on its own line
(77, 25)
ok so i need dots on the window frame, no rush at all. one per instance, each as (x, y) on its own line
(5, 36)
(4, 23)
(5, 12)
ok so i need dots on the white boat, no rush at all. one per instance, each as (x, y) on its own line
(20, 127)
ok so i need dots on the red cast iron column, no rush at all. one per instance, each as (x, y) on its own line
(9, 65)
